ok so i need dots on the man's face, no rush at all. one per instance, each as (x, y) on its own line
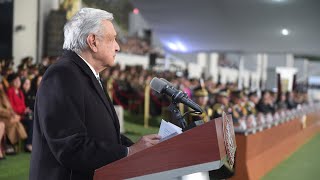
(24, 73)
(267, 97)
(202, 101)
(107, 45)
(254, 99)
(224, 100)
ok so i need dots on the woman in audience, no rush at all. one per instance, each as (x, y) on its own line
(290, 100)
(14, 129)
(30, 96)
(30, 103)
(16, 99)
(16, 96)
(26, 89)
(281, 103)
(266, 104)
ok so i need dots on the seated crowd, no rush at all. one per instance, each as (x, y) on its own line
(127, 88)
(17, 97)
(134, 45)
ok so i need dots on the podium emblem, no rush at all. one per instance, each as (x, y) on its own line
(228, 139)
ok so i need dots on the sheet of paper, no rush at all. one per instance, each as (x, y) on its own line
(176, 128)
(168, 130)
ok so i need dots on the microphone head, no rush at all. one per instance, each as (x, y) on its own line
(157, 85)
(169, 83)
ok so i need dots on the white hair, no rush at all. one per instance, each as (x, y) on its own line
(84, 22)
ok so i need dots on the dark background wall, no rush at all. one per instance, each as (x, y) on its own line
(6, 20)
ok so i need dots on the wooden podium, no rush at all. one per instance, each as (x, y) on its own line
(208, 147)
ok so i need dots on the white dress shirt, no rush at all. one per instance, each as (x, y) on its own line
(93, 71)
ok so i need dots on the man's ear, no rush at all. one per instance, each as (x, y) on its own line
(92, 42)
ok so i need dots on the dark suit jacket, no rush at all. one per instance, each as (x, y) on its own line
(76, 129)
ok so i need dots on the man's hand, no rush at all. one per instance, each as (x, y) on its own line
(144, 142)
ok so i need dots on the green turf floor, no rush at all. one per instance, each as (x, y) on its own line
(15, 167)
(303, 164)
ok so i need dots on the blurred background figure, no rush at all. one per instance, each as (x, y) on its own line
(201, 96)
(222, 104)
(14, 130)
(266, 104)
(17, 101)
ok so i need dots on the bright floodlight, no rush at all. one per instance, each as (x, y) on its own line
(172, 46)
(181, 47)
(285, 32)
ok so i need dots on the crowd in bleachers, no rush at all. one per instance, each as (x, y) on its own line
(127, 89)
(17, 97)
(134, 45)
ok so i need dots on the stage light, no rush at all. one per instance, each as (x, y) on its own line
(135, 11)
(181, 47)
(176, 46)
(285, 32)
(172, 46)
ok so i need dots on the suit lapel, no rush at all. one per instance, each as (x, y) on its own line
(113, 110)
(106, 100)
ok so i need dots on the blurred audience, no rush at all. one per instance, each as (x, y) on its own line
(290, 100)
(266, 103)
(281, 103)
(17, 96)
(134, 45)
(126, 88)
(13, 127)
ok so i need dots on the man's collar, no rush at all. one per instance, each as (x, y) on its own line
(92, 69)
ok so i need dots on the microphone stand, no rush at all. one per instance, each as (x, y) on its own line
(176, 114)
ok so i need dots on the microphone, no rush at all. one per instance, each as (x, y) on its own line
(164, 87)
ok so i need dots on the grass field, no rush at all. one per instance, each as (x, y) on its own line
(303, 164)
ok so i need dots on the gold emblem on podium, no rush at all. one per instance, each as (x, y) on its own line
(228, 139)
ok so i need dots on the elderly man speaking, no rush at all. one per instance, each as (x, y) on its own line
(76, 129)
